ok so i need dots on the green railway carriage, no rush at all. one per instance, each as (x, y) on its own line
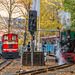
(64, 37)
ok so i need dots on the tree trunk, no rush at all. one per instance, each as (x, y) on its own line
(25, 36)
(9, 18)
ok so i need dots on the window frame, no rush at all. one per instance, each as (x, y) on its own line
(5, 36)
(15, 36)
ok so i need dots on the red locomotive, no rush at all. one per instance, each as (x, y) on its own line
(68, 47)
(69, 57)
(10, 46)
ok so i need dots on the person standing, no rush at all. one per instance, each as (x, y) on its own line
(43, 46)
(28, 47)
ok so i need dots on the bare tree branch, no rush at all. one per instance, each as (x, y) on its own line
(4, 4)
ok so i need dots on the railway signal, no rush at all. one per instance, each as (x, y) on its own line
(32, 27)
(32, 21)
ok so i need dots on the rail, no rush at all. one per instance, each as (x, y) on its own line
(4, 64)
(43, 70)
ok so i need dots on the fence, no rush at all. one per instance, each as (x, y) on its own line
(49, 47)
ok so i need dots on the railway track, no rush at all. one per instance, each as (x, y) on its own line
(44, 70)
(4, 64)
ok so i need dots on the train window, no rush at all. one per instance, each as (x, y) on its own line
(13, 37)
(6, 37)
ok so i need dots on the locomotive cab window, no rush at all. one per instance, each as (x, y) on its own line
(13, 37)
(6, 37)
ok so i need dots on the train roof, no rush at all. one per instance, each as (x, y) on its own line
(10, 34)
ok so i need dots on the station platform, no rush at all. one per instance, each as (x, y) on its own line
(50, 58)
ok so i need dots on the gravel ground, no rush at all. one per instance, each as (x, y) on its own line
(12, 68)
(1, 60)
(16, 65)
(66, 71)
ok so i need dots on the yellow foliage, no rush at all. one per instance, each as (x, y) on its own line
(74, 6)
(49, 19)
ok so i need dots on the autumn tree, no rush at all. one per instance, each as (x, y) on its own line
(69, 5)
(10, 6)
(27, 5)
(49, 16)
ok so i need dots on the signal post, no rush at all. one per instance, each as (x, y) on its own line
(32, 27)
